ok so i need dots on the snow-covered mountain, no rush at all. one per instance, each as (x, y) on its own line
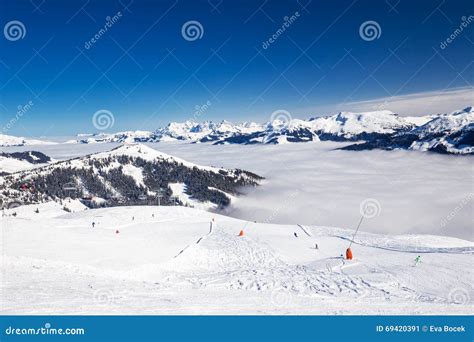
(443, 133)
(9, 140)
(354, 126)
(187, 131)
(344, 126)
(448, 133)
(451, 133)
(129, 174)
(12, 162)
(120, 137)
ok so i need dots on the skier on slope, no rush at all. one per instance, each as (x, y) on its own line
(93, 224)
(417, 260)
(296, 235)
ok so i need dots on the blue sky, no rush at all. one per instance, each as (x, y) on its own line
(147, 74)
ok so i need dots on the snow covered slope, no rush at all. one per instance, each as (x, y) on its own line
(176, 260)
(350, 125)
(120, 137)
(450, 133)
(128, 174)
(18, 161)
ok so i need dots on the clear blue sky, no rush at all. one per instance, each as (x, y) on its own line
(147, 74)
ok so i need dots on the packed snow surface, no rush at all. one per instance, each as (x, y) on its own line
(176, 260)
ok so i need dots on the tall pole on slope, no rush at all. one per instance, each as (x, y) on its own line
(357, 229)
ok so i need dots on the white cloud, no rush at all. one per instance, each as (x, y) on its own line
(417, 104)
(313, 184)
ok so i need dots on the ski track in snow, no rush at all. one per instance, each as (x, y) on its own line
(304, 230)
(197, 242)
(184, 263)
(455, 250)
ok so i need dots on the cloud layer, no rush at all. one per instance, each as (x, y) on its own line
(417, 104)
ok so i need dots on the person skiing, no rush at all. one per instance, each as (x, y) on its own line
(93, 224)
(316, 246)
(133, 218)
(417, 260)
(296, 235)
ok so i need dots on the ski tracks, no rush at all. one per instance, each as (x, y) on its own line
(305, 230)
(211, 229)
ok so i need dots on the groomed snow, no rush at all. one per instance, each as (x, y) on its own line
(172, 260)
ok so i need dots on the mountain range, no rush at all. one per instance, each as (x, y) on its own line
(451, 133)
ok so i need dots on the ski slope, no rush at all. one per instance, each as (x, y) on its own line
(177, 260)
